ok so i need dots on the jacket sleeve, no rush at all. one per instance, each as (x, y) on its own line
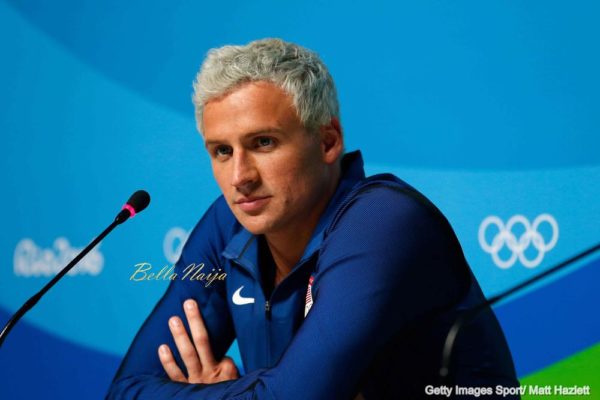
(141, 374)
(385, 264)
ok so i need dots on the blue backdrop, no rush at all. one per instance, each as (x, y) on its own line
(489, 108)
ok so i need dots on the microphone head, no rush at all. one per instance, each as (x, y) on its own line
(136, 203)
(139, 200)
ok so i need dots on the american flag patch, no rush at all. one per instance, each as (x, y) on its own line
(309, 299)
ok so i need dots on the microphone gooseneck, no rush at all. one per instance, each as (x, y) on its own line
(136, 203)
(468, 315)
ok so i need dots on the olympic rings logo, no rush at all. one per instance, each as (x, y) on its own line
(173, 243)
(518, 245)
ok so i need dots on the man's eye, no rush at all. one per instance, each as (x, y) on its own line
(265, 142)
(222, 151)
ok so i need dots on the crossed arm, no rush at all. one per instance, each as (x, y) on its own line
(366, 291)
(196, 353)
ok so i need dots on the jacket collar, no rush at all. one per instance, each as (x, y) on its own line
(243, 246)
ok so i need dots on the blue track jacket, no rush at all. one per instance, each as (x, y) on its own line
(388, 277)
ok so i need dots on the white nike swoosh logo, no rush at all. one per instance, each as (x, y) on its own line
(239, 300)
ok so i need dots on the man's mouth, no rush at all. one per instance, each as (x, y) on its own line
(252, 204)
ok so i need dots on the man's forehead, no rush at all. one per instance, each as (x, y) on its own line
(257, 107)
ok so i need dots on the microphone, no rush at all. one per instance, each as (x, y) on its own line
(470, 314)
(136, 203)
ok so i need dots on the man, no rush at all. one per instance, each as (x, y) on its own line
(337, 285)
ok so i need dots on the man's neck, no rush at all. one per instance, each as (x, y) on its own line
(287, 253)
(287, 247)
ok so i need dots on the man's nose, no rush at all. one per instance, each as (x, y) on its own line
(245, 175)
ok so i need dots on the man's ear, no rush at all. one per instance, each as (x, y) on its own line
(332, 141)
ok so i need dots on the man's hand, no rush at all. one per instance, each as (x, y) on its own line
(197, 356)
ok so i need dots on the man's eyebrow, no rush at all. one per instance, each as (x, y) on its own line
(257, 132)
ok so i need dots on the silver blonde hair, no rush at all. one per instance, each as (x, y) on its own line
(295, 69)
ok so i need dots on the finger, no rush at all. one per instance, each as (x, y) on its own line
(199, 333)
(185, 346)
(169, 365)
(228, 368)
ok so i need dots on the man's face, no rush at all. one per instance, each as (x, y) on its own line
(274, 174)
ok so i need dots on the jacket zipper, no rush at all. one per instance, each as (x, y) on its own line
(268, 329)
